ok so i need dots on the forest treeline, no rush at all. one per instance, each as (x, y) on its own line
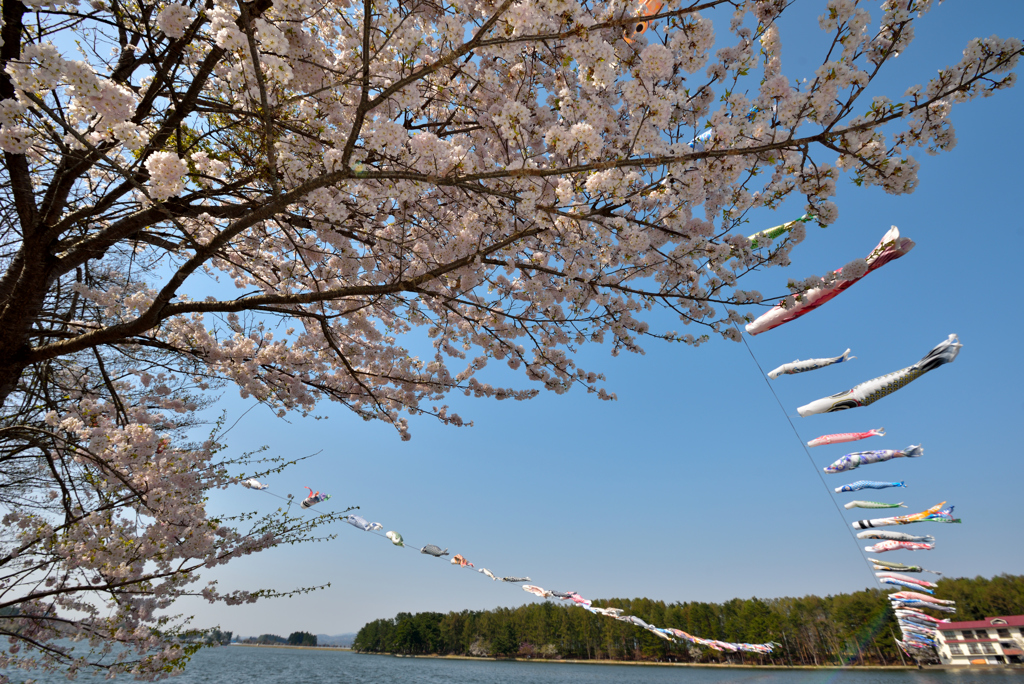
(855, 628)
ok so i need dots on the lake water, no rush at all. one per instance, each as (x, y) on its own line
(243, 665)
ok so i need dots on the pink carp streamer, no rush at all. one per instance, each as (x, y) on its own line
(845, 437)
(907, 578)
(890, 545)
(891, 247)
(461, 561)
(900, 583)
(918, 615)
(912, 595)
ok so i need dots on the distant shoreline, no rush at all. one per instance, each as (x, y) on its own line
(301, 648)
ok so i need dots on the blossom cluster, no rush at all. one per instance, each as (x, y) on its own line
(175, 19)
(104, 106)
(166, 175)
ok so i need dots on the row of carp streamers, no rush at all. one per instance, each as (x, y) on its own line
(667, 633)
(919, 629)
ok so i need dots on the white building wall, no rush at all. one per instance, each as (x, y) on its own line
(953, 651)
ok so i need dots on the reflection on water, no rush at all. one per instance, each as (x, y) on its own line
(245, 665)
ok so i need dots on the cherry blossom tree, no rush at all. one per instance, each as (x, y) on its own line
(513, 178)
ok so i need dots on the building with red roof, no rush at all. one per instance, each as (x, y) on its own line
(992, 641)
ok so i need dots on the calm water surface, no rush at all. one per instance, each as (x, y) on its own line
(242, 665)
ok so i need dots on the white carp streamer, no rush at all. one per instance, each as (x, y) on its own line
(871, 391)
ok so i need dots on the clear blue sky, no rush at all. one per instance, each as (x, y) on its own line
(692, 486)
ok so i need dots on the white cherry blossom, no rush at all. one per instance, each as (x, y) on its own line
(175, 19)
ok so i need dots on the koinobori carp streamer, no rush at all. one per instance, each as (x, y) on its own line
(889, 565)
(905, 578)
(868, 484)
(855, 460)
(799, 366)
(900, 583)
(871, 391)
(845, 437)
(891, 247)
(882, 547)
(933, 514)
(872, 504)
(895, 536)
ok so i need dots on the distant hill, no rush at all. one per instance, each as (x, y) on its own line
(344, 640)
